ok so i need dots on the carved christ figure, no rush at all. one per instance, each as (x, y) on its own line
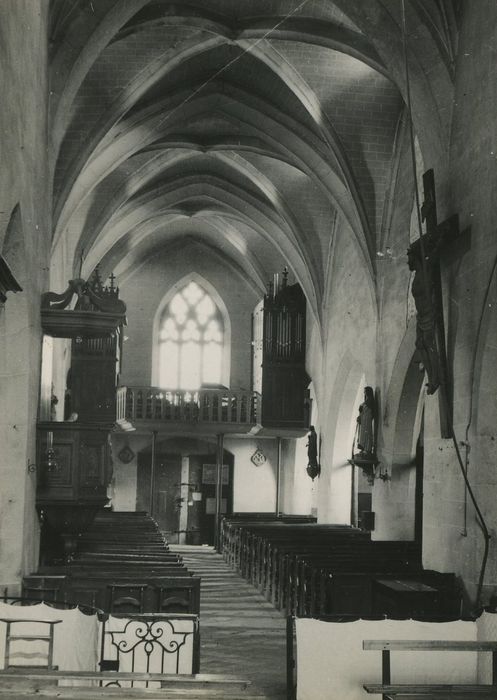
(422, 291)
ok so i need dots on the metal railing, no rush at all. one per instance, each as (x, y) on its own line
(149, 643)
(203, 406)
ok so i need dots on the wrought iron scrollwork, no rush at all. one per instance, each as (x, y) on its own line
(143, 644)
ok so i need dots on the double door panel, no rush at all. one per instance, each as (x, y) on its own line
(172, 494)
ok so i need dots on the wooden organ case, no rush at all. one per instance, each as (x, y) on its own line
(279, 338)
(74, 456)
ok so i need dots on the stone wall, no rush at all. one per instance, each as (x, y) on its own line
(24, 242)
(145, 289)
(453, 537)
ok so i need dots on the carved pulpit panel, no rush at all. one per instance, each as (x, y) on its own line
(79, 466)
(74, 461)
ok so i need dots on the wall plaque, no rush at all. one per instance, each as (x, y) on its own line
(126, 454)
(258, 458)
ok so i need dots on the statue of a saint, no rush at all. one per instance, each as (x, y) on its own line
(365, 427)
(423, 293)
(366, 458)
(313, 467)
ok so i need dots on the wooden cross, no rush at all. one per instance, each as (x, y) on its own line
(438, 237)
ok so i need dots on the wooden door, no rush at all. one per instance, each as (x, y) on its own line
(163, 500)
(202, 513)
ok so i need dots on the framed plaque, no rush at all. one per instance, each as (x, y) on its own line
(209, 474)
(210, 506)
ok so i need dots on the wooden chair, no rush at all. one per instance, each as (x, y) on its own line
(11, 636)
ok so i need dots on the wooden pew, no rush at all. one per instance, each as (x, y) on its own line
(311, 569)
(404, 691)
(255, 544)
(281, 536)
(175, 592)
(296, 573)
(232, 526)
(122, 564)
(303, 567)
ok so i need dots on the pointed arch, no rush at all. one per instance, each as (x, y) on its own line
(211, 291)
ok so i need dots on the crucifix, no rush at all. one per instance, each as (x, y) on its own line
(424, 260)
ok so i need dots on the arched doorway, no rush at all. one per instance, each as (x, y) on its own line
(179, 488)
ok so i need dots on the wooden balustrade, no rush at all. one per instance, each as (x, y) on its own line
(203, 406)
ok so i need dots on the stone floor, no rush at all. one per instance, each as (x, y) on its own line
(241, 633)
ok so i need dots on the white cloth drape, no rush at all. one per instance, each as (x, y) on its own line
(332, 665)
(75, 638)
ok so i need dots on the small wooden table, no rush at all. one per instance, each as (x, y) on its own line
(404, 598)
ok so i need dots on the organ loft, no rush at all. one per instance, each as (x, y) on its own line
(247, 346)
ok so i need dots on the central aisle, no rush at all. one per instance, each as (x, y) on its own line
(241, 633)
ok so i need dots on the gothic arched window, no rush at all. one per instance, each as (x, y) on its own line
(190, 340)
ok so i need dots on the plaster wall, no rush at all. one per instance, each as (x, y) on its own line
(125, 476)
(144, 290)
(23, 182)
(298, 490)
(254, 488)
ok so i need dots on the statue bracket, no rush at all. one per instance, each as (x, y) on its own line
(8, 282)
(369, 463)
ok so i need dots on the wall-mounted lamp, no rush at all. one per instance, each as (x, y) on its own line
(50, 463)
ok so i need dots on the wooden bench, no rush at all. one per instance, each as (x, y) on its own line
(21, 685)
(406, 691)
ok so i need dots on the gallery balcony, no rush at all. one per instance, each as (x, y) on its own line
(206, 411)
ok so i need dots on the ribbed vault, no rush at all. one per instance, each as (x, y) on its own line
(251, 126)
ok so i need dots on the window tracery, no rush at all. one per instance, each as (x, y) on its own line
(190, 340)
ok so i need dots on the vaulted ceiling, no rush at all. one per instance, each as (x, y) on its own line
(255, 126)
